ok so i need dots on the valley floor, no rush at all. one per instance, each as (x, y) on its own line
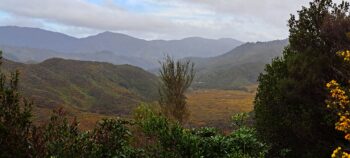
(207, 107)
(215, 107)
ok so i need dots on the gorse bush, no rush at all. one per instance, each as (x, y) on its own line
(339, 102)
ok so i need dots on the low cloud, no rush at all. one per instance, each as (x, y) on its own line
(171, 19)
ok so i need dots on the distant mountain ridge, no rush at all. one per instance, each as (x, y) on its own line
(120, 45)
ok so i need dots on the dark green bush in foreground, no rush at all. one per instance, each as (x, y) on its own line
(172, 140)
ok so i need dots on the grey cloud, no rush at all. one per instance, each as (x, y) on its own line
(275, 12)
(247, 20)
(80, 13)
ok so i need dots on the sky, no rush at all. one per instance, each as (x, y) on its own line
(245, 20)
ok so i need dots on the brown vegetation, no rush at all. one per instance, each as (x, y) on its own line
(215, 107)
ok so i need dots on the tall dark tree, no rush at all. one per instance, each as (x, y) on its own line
(15, 113)
(176, 77)
(289, 106)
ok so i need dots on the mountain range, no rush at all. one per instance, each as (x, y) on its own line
(220, 64)
(24, 44)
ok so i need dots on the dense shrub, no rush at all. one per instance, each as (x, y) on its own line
(176, 141)
(61, 138)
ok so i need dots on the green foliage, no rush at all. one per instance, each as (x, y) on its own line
(289, 106)
(176, 77)
(15, 114)
(239, 120)
(172, 140)
(59, 138)
(113, 139)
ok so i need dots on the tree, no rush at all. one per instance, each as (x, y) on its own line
(289, 105)
(176, 77)
(15, 114)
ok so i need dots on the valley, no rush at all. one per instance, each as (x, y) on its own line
(74, 86)
(109, 74)
(207, 107)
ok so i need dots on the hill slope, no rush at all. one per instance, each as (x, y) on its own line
(85, 86)
(237, 68)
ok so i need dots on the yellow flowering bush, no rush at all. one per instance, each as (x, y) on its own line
(338, 153)
(345, 54)
(339, 101)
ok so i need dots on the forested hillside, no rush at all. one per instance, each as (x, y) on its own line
(239, 67)
(87, 86)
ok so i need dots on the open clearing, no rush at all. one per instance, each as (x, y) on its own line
(215, 107)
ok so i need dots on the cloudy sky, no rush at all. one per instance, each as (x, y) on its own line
(246, 20)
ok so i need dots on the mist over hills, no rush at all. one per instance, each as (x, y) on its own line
(84, 85)
(115, 47)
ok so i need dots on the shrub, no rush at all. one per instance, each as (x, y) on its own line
(176, 141)
(61, 138)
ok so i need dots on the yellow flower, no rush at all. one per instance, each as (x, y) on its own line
(336, 152)
(339, 101)
(345, 54)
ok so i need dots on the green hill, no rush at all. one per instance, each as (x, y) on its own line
(237, 68)
(86, 86)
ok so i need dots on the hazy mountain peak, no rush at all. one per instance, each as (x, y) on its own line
(108, 35)
(122, 46)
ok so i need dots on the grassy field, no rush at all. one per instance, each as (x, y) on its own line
(215, 107)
